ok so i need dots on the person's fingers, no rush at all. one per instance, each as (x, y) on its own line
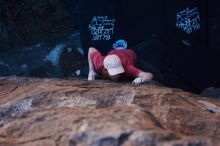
(133, 82)
(90, 78)
(137, 81)
(142, 80)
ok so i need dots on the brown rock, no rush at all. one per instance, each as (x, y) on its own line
(52, 112)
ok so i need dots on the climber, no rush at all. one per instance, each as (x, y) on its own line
(119, 64)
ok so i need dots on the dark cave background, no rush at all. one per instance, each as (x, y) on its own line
(50, 38)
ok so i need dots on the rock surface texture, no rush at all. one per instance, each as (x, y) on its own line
(55, 112)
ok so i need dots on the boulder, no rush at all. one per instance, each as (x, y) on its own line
(77, 112)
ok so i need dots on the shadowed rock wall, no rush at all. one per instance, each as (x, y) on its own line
(25, 22)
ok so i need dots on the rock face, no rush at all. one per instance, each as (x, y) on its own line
(28, 21)
(55, 112)
(46, 59)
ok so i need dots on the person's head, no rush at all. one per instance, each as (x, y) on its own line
(120, 45)
(112, 64)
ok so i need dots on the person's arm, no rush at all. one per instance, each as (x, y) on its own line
(143, 77)
(92, 73)
(139, 75)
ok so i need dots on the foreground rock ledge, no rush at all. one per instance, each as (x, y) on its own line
(55, 112)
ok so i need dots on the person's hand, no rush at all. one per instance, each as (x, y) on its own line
(138, 80)
(91, 75)
(143, 77)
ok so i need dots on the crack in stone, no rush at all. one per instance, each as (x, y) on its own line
(12, 90)
(36, 139)
(154, 119)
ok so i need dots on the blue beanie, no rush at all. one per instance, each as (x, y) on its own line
(120, 43)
